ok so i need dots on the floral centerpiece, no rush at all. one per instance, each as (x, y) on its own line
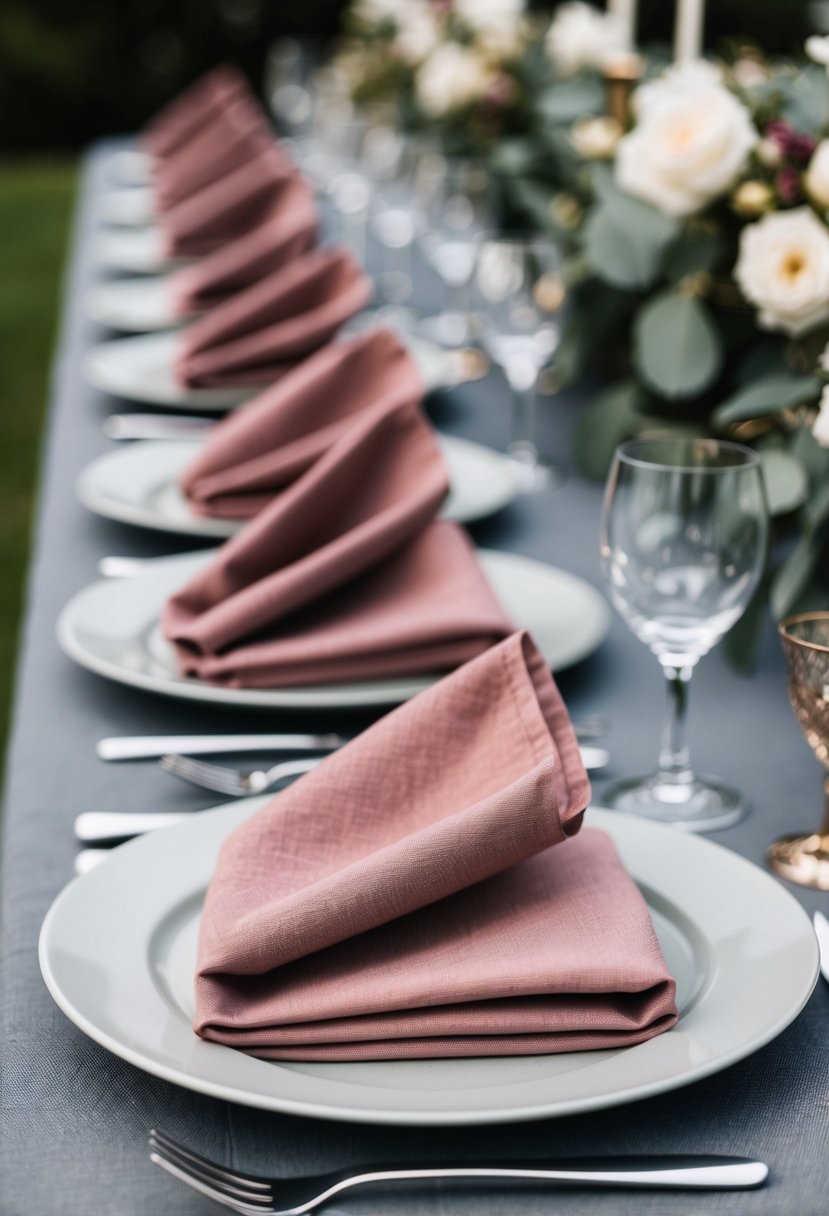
(693, 202)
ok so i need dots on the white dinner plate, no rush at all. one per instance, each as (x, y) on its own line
(136, 305)
(139, 250)
(112, 627)
(138, 484)
(131, 208)
(118, 954)
(130, 168)
(140, 368)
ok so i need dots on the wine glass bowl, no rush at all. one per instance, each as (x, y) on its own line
(682, 547)
(804, 858)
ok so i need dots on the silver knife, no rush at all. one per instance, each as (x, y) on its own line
(822, 930)
(143, 747)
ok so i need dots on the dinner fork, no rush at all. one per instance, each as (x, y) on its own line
(235, 782)
(294, 1196)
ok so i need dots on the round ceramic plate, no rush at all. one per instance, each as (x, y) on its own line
(140, 368)
(131, 208)
(112, 627)
(130, 168)
(134, 305)
(118, 953)
(138, 484)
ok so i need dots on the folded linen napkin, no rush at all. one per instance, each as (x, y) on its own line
(409, 594)
(287, 229)
(227, 207)
(237, 132)
(405, 899)
(192, 109)
(261, 332)
(259, 449)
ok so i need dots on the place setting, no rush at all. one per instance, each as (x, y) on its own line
(356, 843)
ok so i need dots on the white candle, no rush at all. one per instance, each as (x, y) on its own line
(690, 16)
(625, 10)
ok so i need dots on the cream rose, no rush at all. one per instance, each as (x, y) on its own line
(816, 177)
(489, 16)
(689, 146)
(820, 427)
(783, 269)
(582, 37)
(451, 77)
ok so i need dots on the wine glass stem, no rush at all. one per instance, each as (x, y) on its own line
(523, 444)
(674, 756)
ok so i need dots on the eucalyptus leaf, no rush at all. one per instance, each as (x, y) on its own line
(794, 576)
(572, 99)
(533, 199)
(513, 156)
(610, 419)
(694, 253)
(786, 480)
(742, 641)
(677, 348)
(817, 508)
(815, 458)
(768, 395)
(807, 106)
(625, 243)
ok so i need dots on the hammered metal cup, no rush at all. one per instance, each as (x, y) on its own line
(804, 859)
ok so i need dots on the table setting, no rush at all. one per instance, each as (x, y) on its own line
(328, 863)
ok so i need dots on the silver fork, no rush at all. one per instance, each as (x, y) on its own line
(235, 782)
(294, 1196)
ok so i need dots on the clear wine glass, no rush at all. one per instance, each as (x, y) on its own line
(459, 208)
(682, 546)
(520, 296)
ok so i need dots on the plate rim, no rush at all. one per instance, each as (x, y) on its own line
(292, 698)
(221, 528)
(426, 1118)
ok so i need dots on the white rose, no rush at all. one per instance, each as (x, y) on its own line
(489, 16)
(783, 269)
(451, 77)
(820, 427)
(582, 37)
(417, 34)
(817, 49)
(689, 146)
(816, 178)
(689, 75)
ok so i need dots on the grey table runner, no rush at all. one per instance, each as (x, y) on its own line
(74, 1118)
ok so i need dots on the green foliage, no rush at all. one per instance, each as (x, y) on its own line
(610, 418)
(786, 478)
(677, 348)
(766, 395)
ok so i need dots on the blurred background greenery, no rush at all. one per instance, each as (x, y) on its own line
(71, 72)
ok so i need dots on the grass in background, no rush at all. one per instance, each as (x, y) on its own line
(35, 208)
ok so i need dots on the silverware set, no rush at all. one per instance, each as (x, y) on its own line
(248, 1193)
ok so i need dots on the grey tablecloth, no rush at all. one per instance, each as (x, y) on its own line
(74, 1119)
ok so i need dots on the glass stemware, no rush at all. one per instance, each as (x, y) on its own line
(804, 858)
(520, 299)
(459, 209)
(682, 546)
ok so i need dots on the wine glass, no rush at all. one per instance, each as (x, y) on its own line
(459, 209)
(520, 296)
(804, 858)
(682, 546)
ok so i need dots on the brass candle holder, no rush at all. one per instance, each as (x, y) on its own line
(621, 75)
(804, 858)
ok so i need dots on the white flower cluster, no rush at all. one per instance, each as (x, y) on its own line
(783, 269)
(690, 144)
(583, 37)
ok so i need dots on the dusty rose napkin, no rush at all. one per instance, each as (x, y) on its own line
(345, 575)
(237, 132)
(227, 207)
(261, 332)
(404, 899)
(287, 229)
(192, 109)
(261, 448)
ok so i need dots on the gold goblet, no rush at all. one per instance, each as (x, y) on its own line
(804, 859)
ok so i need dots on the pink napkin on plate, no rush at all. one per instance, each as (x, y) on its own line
(261, 332)
(228, 207)
(238, 132)
(258, 450)
(192, 109)
(287, 229)
(345, 576)
(422, 893)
